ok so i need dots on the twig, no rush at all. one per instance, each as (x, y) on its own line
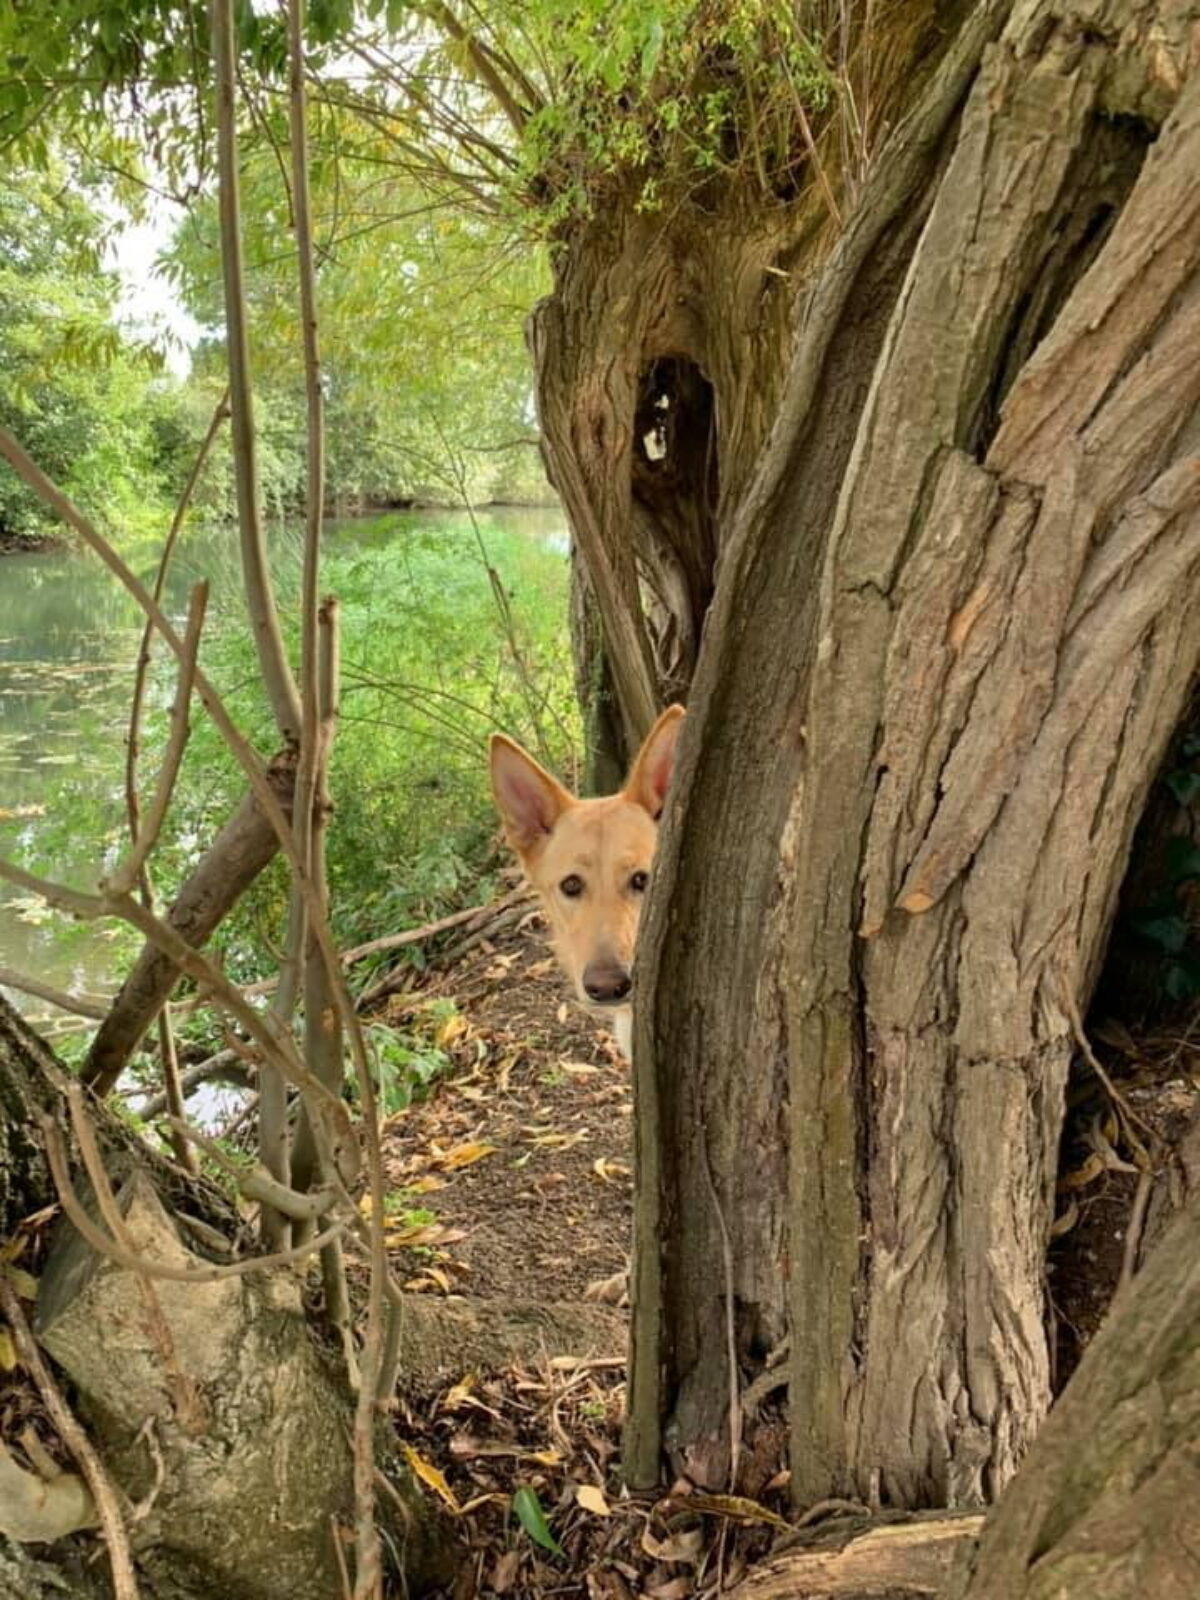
(1128, 1115)
(103, 1493)
(1135, 1227)
(222, 1067)
(430, 930)
(256, 1183)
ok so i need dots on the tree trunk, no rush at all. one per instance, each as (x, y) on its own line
(956, 621)
(1106, 1505)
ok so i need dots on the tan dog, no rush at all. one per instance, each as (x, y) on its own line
(589, 861)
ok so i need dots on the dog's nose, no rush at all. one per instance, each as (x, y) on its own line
(606, 982)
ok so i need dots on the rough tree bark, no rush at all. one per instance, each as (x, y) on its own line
(1106, 1505)
(955, 623)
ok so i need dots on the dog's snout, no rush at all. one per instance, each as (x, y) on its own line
(606, 982)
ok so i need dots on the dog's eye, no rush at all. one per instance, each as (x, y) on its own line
(639, 881)
(572, 886)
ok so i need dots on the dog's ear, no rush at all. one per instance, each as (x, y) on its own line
(528, 799)
(650, 776)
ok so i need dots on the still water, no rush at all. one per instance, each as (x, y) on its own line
(68, 644)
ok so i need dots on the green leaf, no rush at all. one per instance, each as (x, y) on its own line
(1182, 981)
(1169, 933)
(1185, 786)
(527, 1509)
(1183, 859)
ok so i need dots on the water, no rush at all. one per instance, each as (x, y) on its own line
(68, 644)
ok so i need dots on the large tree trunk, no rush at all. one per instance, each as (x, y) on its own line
(955, 624)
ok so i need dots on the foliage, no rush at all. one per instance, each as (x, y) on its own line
(85, 400)
(421, 316)
(428, 669)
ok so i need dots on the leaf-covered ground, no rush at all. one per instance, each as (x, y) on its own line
(513, 1183)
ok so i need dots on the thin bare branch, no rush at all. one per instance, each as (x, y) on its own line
(77, 1005)
(256, 1183)
(264, 619)
(129, 871)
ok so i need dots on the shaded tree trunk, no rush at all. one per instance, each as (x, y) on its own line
(956, 621)
(1106, 1506)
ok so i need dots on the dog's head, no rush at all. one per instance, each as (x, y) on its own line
(589, 860)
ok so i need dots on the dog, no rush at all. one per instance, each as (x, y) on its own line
(589, 861)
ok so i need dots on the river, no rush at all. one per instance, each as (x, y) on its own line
(68, 641)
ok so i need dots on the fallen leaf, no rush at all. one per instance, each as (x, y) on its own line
(468, 1448)
(735, 1507)
(427, 1233)
(685, 1546)
(559, 1141)
(426, 1185)
(8, 1351)
(673, 1589)
(608, 1171)
(430, 1476)
(452, 1029)
(579, 1069)
(464, 1155)
(433, 1279)
(504, 1573)
(592, 1499)
(1066, 1221)
(1085, 1174)
(527, 1509)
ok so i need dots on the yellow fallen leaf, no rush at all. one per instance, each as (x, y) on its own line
(607, 1170)
(559, 1141)
(738, 1508)
(452, 1030)
(8, 1351)
(425, 1185)
(431, 1477)
(463, 1155)
(458, 1395)
(1085, 1174)
(431, 1278)
(592, 1499)
(1065, 1222)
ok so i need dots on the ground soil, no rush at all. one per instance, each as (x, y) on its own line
(521, 1152)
